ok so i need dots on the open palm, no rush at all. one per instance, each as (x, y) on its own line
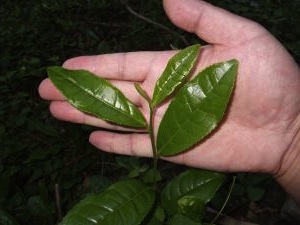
(263, 117)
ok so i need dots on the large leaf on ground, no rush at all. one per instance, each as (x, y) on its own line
(177, 69)
(123, 203)
(200, 184)
(197, 109)
(95, 95)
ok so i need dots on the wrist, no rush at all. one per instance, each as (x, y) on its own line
(289, 174)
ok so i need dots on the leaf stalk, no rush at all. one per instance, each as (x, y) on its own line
(153, 142)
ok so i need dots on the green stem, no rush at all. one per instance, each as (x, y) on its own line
(143, 93)
(153, 143)
(227, 198)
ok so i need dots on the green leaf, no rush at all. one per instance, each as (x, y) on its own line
(197, 109)
(123, 203)
(142, 92)
(176, 71)
(182, 220)
(201, 184)
(151, 176)
(192, 207)
(95, 95)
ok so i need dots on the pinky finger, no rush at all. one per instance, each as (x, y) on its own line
(125, 144)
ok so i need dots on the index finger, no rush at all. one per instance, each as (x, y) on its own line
(131, 66)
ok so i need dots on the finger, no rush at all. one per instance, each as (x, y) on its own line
(49, 92)
(125, 144)
(64, 111)
(132, 66)
(212, 24)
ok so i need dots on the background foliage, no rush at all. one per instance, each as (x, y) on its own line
(39, 153)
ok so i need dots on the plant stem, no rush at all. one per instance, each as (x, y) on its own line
(152, 108)
(181, 37)
(153, 143)
(227, 198)
(58, 202)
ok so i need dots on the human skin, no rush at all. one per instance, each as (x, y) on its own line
(261, 131)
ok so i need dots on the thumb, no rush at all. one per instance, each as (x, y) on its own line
(212, 24)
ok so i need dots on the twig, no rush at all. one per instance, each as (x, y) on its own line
(182, 38)
(226, 200)
(58, 203)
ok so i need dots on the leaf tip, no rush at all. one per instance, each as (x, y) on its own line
(52, 68)
(52, 71)
(233, 62)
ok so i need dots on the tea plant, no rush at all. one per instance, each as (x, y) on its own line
(196, 109)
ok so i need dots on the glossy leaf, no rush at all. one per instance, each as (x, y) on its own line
(123, 203)
(177, 69)
(92, 94)
(142, 92)
(197, 109)
(200, 184)
(192, 207)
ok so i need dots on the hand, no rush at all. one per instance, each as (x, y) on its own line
(264, 115)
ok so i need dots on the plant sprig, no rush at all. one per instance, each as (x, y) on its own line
(195, 110)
